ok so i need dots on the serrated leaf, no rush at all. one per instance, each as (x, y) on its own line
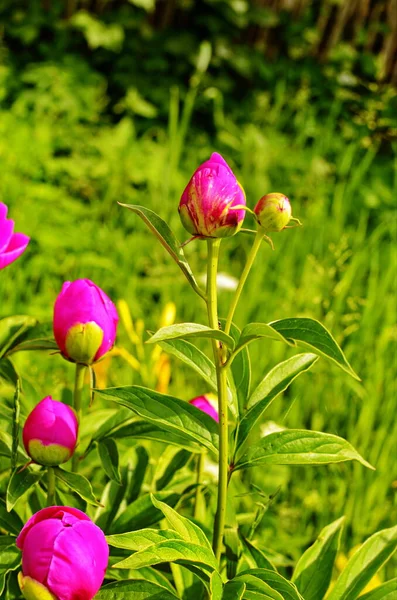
(19, 484)
(234, 590)
(190, 330)
(177, 551)
(299, 447)
(141, 539)
(78, 483)
(189, 531)
(274, 383)
(312, 335)
(386, 591)
(313, 571)
(167, 412)
(109, 456)
(364, 564)
(193, 357)
(168, 240)
(139, 589)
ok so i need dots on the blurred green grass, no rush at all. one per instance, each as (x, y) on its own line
(64, 168)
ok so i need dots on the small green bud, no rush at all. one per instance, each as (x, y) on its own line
(273, 212)
(33, 590)
(83, 342)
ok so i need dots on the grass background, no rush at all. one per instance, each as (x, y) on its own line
(72, 145)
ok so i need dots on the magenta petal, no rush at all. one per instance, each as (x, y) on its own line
(16, 247)
(79, 562)
(62, 513)
(38, 549)
(6, 231)
(51, 422)
(205, 405)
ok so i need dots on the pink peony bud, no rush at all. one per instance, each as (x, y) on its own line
(50, 432)
(204, 404)
(12, 244)
(85, 321)
(64, 555)
(273, 212)
(206, 206)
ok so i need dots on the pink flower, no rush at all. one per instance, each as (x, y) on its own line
(85, 321)
(12, 244)
(50, 432)
(273, 212)
(206, 206)
(205, 405)
(64, 551)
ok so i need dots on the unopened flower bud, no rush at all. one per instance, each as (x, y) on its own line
(204, 403)
(50, 432)
(64, 555)
(273, 212)
(207, 203)
(85, 321)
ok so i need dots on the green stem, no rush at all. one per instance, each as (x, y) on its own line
(212, 306)
(50, 486)
(250, 261)
(199, 480)
(77, 396)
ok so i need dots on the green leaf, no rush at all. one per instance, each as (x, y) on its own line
(177, 551)
(19, 484)
(299, 447)
(363, 565)
(190, 330)
(277, 582)
(177, 462)
(189, 531)
(78, 483)
(142, 513)
(240, 369)
(167, 412)
(10, 521)
(274, 383)
(256, 331)
(141, 539)
(193, 357)
(35, 337)
(10, 559)
(256, 589)
(167, 238)
(142, 430)
(386, 591)
(312, 335)
(16, 411)
(109, 456)
(11, 328)
(8, 372)
(139, 589)
(313, 571)
(234, 590)
(260, 559)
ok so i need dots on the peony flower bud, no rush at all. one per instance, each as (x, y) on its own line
(50, 432)
(64, 555)
(206, 206)
(273, 212)
(12, 244)
(204, 404)
(85, 321)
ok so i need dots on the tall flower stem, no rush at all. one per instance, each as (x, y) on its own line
(250, 261)
(212, 306)
(50, 486)
(199, 480)
(77, 396)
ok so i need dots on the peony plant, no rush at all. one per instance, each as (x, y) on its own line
(174, 498)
